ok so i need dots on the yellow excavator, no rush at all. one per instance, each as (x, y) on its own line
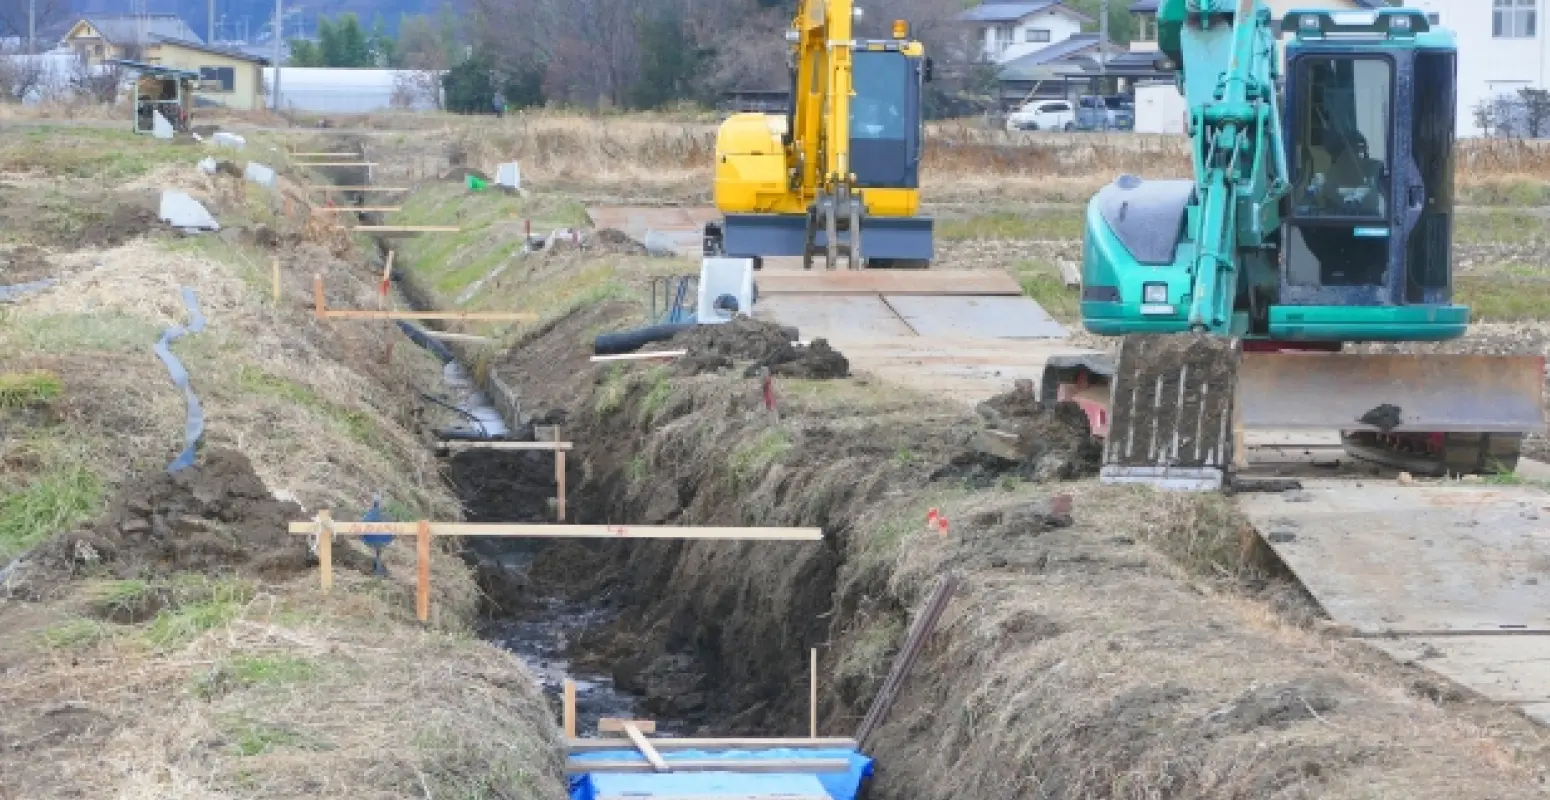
(839, 175)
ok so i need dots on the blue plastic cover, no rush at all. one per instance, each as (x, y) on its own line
(16, 290)
(195, 427)
(837, 785)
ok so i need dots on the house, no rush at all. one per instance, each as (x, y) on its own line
(1010, 29)
(1503, 47)
(229, 78)
(1064, 69)
(1159, 106)
(1145, 13)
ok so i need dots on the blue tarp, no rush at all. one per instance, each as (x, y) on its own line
(16, 290)
(195, 426)
(837, 785)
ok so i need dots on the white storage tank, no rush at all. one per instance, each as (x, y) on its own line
(1160, 108)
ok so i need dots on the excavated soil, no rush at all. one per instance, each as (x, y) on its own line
(216, 516)
(24, 264)
(67, 222)
(612, 240)
(768, 345)
(1053, 441)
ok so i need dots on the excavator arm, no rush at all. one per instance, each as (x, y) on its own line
(1228, 65)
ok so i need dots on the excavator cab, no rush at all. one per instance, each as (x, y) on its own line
(1369, 125)
(771, 182)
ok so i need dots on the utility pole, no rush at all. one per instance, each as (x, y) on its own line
(279, 30)
(1103, 38)
(32, 27)
(210, 24)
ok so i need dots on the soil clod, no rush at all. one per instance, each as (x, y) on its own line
(1030, 439)
(214, 516)
(714, 347)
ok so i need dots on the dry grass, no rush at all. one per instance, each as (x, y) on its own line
(240, 688)
(964, 161)
(267, 691)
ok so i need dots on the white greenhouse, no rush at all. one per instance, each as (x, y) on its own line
(354, 91)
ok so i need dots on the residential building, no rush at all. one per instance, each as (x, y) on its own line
(1145, 12)
(1503, 47)
(1158, 113)
(230, 78)
(1010, 29)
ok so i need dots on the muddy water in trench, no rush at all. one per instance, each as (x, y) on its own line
(518, 487)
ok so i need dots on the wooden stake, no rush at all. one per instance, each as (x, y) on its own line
(355, 188)
(559, 475)
(550, 531)
(489, 316)
(422, 594)
(407, 228)
(570, 709)
(812, 703)
(639, 740)
(319, 304)
(276, 275)
(387, 278)
(460, 444)
(325, 530)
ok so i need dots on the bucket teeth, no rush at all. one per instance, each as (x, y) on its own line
(1172, 405)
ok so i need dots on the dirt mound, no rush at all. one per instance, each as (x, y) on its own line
(613, 240)
(714, 347)
(1029, 439)
(24, 264)
(215, 515)
(816, 361)
(65, 222)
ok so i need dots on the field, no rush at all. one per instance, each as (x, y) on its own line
(161, 638)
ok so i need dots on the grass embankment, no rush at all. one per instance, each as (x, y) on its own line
(179, 682)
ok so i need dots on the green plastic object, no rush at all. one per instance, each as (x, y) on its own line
(476, 184)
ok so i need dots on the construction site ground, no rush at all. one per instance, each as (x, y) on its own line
(1139, 644)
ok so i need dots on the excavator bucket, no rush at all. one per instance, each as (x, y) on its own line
(1171, 412)
(1180, 405)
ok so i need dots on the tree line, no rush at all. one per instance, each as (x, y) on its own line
(640, 54)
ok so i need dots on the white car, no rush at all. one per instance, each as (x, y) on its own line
(1042, 115)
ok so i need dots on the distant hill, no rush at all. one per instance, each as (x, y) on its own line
(255, 13)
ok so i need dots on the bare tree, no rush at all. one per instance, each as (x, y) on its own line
(100, 83)
(13, 18)
(21, 76)
(1536, 111)
(417, 88)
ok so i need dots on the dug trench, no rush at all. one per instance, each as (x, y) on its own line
(1103, 641)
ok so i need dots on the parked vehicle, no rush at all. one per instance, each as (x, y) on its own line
(1042, 115)
(1105, 113)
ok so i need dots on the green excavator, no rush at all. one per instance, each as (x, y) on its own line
(1319, 218)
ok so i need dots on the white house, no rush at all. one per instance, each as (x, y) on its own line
(1011, 29)
(1503, 47)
